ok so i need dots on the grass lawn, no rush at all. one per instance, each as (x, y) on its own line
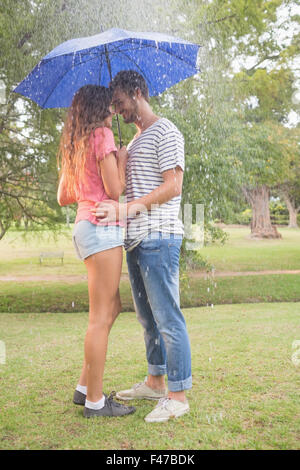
(20, 256)
(241, 253)
(245, 385)
(22, 297)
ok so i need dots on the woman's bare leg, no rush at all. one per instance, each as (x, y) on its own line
(117, 310)
(104, 271)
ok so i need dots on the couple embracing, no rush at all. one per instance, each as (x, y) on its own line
(94, 173)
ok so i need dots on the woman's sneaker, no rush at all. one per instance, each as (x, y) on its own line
(141, 391)
(166, 409)
(110, 408)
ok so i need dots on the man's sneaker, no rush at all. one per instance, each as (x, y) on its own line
(141, 391)
(79, 398)
(167, 409)
(110, 408)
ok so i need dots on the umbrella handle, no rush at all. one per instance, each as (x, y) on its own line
(110, 75)
(119, 131)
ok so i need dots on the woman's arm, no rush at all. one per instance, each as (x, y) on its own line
(122, 156)
(63, 198)
(113, 170)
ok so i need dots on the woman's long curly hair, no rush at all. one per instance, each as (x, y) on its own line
(89, 108)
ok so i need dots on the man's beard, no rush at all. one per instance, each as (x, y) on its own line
(131, 116)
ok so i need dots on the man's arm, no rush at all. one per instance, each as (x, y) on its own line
(171, 187)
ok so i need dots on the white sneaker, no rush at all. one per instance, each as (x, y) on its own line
(141, 391)
(165, 409)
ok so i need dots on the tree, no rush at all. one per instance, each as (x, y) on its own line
(232, 31)
(28, 136)
(291, 196)
(266, 100)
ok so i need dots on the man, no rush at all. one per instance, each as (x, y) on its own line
(153, 239)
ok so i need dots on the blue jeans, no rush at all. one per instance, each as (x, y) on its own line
(153, 268)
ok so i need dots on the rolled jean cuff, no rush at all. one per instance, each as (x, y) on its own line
(180, 385)
(154, 369)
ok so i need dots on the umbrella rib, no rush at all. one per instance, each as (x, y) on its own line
(131, 60)
(100, 68)
(48, 96)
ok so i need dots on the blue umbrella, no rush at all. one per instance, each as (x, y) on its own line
(162, 60)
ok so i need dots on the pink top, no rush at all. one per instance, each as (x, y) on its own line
(91, 189)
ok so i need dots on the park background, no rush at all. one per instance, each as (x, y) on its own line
(240, 292)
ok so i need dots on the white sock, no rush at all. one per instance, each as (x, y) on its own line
(95, 405)
(82, 389)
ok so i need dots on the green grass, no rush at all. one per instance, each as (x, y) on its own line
(22, 297)
(245, 391)
(19, 256)
(241, 253)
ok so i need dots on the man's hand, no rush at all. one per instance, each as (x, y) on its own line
(110, 211)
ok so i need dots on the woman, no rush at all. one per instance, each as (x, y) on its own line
(92, 170)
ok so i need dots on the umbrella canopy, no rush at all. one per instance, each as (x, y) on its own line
(162, 60)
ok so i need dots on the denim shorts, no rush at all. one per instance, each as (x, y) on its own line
(89, 238)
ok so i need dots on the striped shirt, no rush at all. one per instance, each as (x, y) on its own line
(158, 148)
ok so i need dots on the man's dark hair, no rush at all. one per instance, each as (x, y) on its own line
(128, 81)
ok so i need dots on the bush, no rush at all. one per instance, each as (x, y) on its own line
(279, 213)
(244, 218)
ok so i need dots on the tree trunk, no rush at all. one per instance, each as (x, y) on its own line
(293, 211)
(261, 226)
(3, 229)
